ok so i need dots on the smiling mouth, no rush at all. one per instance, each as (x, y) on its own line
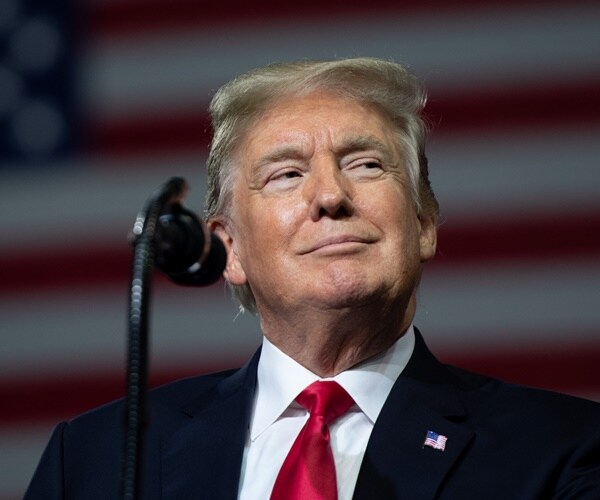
(339, 244)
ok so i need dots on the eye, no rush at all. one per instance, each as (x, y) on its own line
(371, 165)
(365, 168)
(283, 179)
(285, 175)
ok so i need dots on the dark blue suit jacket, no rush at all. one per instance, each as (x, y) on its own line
(503, 441)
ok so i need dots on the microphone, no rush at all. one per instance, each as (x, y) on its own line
(186, 251)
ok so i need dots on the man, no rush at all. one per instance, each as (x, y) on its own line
(318, 186)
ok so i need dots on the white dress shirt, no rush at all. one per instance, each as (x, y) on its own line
(277, 419)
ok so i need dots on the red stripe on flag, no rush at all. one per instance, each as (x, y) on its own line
(128, 17)
(177, 132)
(44, 270)
(563, 368)
(517, 106)
(528, 237)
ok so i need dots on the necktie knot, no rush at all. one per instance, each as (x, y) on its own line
(326, 399)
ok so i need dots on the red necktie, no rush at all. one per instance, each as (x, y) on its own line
(308, 472)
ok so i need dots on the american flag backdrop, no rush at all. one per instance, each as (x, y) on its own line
(101, 101)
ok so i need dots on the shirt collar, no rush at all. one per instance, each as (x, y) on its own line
(280, 379)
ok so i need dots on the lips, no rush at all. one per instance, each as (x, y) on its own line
(337, 241)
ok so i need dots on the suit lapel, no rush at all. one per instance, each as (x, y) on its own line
(397, 464)
(202, 459)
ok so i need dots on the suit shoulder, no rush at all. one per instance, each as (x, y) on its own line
(495, 397)
(162, 400)
(181, 390)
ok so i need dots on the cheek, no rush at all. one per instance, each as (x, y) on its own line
(279, 219)
(399, 224)
(268, 229)
(287, 216)
(386, 206)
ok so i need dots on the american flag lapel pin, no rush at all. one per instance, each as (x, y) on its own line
(435, 441)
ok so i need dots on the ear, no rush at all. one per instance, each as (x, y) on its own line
(234, 272)
(427, 237)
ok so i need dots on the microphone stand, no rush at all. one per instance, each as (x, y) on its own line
(144, 243)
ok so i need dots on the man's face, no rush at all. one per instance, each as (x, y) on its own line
(321, 213)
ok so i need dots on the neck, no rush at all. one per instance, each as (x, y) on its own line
(328, 342)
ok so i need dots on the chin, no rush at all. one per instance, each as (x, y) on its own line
(343, 290)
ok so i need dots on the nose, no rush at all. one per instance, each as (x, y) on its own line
(329, 191)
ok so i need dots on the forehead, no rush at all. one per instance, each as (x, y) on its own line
(320, 117)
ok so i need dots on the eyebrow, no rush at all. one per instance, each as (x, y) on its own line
(281, 153)
(350, 144)
(365, 143)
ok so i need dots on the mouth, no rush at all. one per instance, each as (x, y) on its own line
(339, 244)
